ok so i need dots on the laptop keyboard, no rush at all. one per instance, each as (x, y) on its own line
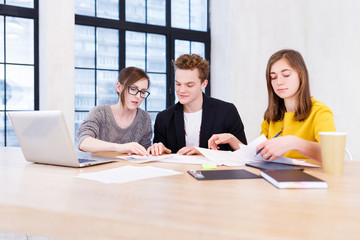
(84, 160)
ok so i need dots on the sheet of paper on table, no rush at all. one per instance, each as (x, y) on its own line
(246, 153)
(127, 174)
(171, 158)
(144, 159)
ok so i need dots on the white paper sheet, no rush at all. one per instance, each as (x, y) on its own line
(245, 154)
(170, 158)
(219, 157)
(144, 159)
(185, 159)
(284, 160)
(127, 174)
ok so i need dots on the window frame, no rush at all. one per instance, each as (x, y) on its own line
(29, 13)
(170, 33)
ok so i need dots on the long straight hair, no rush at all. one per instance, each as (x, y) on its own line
(276, 106)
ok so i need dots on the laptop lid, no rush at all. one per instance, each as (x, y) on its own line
(44, 137)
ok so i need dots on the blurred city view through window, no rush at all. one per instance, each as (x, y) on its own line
(16, 68)
(110, 35)
(98, 49)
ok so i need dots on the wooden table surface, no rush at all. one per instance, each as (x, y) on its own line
(48, 201)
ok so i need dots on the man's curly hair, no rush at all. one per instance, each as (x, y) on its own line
(192, 61)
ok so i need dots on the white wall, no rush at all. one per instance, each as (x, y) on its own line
(56, 47)
(245, 33)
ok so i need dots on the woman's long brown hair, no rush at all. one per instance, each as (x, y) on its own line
(276, 107)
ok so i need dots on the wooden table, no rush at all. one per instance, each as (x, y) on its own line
(48, 201)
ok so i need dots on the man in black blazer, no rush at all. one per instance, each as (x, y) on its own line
(196, 117)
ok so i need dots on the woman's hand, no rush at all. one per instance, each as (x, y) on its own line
(223, 138)
(132, 147)
(158, 149)
(276, 147)
(189, 150)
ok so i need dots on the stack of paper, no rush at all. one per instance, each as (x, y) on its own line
(172, 158)
(245, 154)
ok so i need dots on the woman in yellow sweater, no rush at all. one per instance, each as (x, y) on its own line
(293, 116)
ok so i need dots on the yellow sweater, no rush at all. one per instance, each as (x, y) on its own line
(321, 119)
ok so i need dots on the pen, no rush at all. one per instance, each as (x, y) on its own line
(273, 137)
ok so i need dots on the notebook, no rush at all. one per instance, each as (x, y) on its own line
(44, 138)
(292, 179)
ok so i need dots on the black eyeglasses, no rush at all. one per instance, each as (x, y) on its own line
(135, 91)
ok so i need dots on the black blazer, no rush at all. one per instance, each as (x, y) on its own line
(217, 117)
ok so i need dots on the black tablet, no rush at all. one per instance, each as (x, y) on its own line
(272, 166)
(222, 174)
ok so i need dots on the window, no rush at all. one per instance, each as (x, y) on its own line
(184, 46)
(189, 14)
(113, 34)
(149, 12)
(148, 51)
(96, 68)
(18, 62)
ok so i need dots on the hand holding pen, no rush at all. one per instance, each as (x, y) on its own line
(267, 156)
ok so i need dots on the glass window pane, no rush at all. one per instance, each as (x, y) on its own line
(1, 1)
(2, 130)
(19, 87)
(85, 7)
(181, 47)
(180, 14)
(198, 48)
(1, 39)
(142, 105)
(135, 49)
(156, 53)
(11, 139)
(84, 46)
(198, 13)
(19, 40)
(156, 12)
(79, 118)
(106, 87)
(21, 3)
(107, 48)
(153, 117)
(157, 99)
(135, 11)
(84, 89)
(2, 88)
(108, 9)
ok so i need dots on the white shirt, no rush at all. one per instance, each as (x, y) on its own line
(192, 122)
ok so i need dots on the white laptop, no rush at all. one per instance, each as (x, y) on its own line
(44, 138)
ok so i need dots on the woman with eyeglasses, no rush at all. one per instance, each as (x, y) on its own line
(293, 119)
(122, 127)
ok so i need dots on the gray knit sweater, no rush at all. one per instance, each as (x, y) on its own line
(100, 124)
